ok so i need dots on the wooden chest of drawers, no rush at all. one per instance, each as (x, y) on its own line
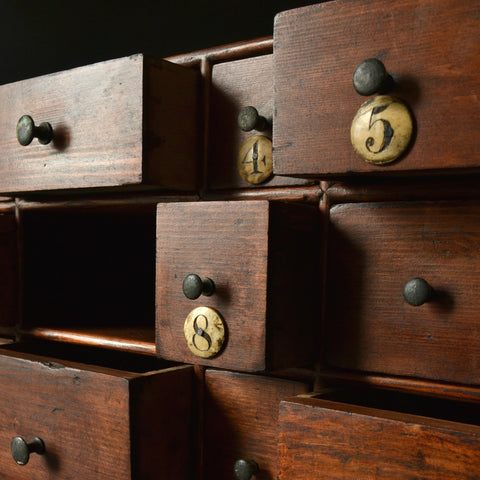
(351, 285)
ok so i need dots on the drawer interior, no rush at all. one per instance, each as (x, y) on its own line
(440, 408)
(89, 273)
(86, 355)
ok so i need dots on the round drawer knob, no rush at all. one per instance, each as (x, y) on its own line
(249, 119)
(21, 450)
(417, 292)
(245, 469)
(381, 130)
(194, 286)
(204, 332)
(371, 77)
(27, 131)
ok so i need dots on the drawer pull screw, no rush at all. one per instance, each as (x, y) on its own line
(194, 286)
(21, 450)
(249, 119)
(371, 77)
(27, 131)
(245, 469)
(417, 292)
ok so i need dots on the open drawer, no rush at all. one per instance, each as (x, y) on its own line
(384, 435)
(241, 422)
(261, 260)
(95, 421)
(124, 123)
(317, 50)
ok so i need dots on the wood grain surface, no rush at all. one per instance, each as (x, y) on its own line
(135, 339)
(93, 270)
(322, 439)
(374, 249)
(95, 422)
(262, 257)
(234, 85)
(115, 123)
(241, 413)
(431, 50)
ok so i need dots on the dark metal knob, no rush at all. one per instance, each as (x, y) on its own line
(194, 286)
(27, 131)
(371, 77)
(245, 469)
(21, 450)
(417, 292)
(250, 119)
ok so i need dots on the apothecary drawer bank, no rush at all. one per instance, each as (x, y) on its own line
(128, 122)
(183, 302)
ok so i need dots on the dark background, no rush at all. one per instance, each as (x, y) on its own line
(45, 36)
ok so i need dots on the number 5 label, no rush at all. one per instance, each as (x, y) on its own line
(381, 130)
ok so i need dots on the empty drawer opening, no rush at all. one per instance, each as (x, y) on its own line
(89, 274)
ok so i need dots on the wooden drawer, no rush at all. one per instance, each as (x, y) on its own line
(8, 269)
(125, 122)
(429, 48)
(241, 413)
(262, 257)
(235, 85)
(95, 421)
(374, 250)
(329, 439)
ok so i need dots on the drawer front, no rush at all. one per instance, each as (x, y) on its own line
(375, 250)
(251, 250)
(348, 442)
(116, 123)
(241, 413)
(236, 85)
(430, 50)
(91, 420)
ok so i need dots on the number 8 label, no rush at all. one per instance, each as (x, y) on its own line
(204, 332)
(381, 130)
